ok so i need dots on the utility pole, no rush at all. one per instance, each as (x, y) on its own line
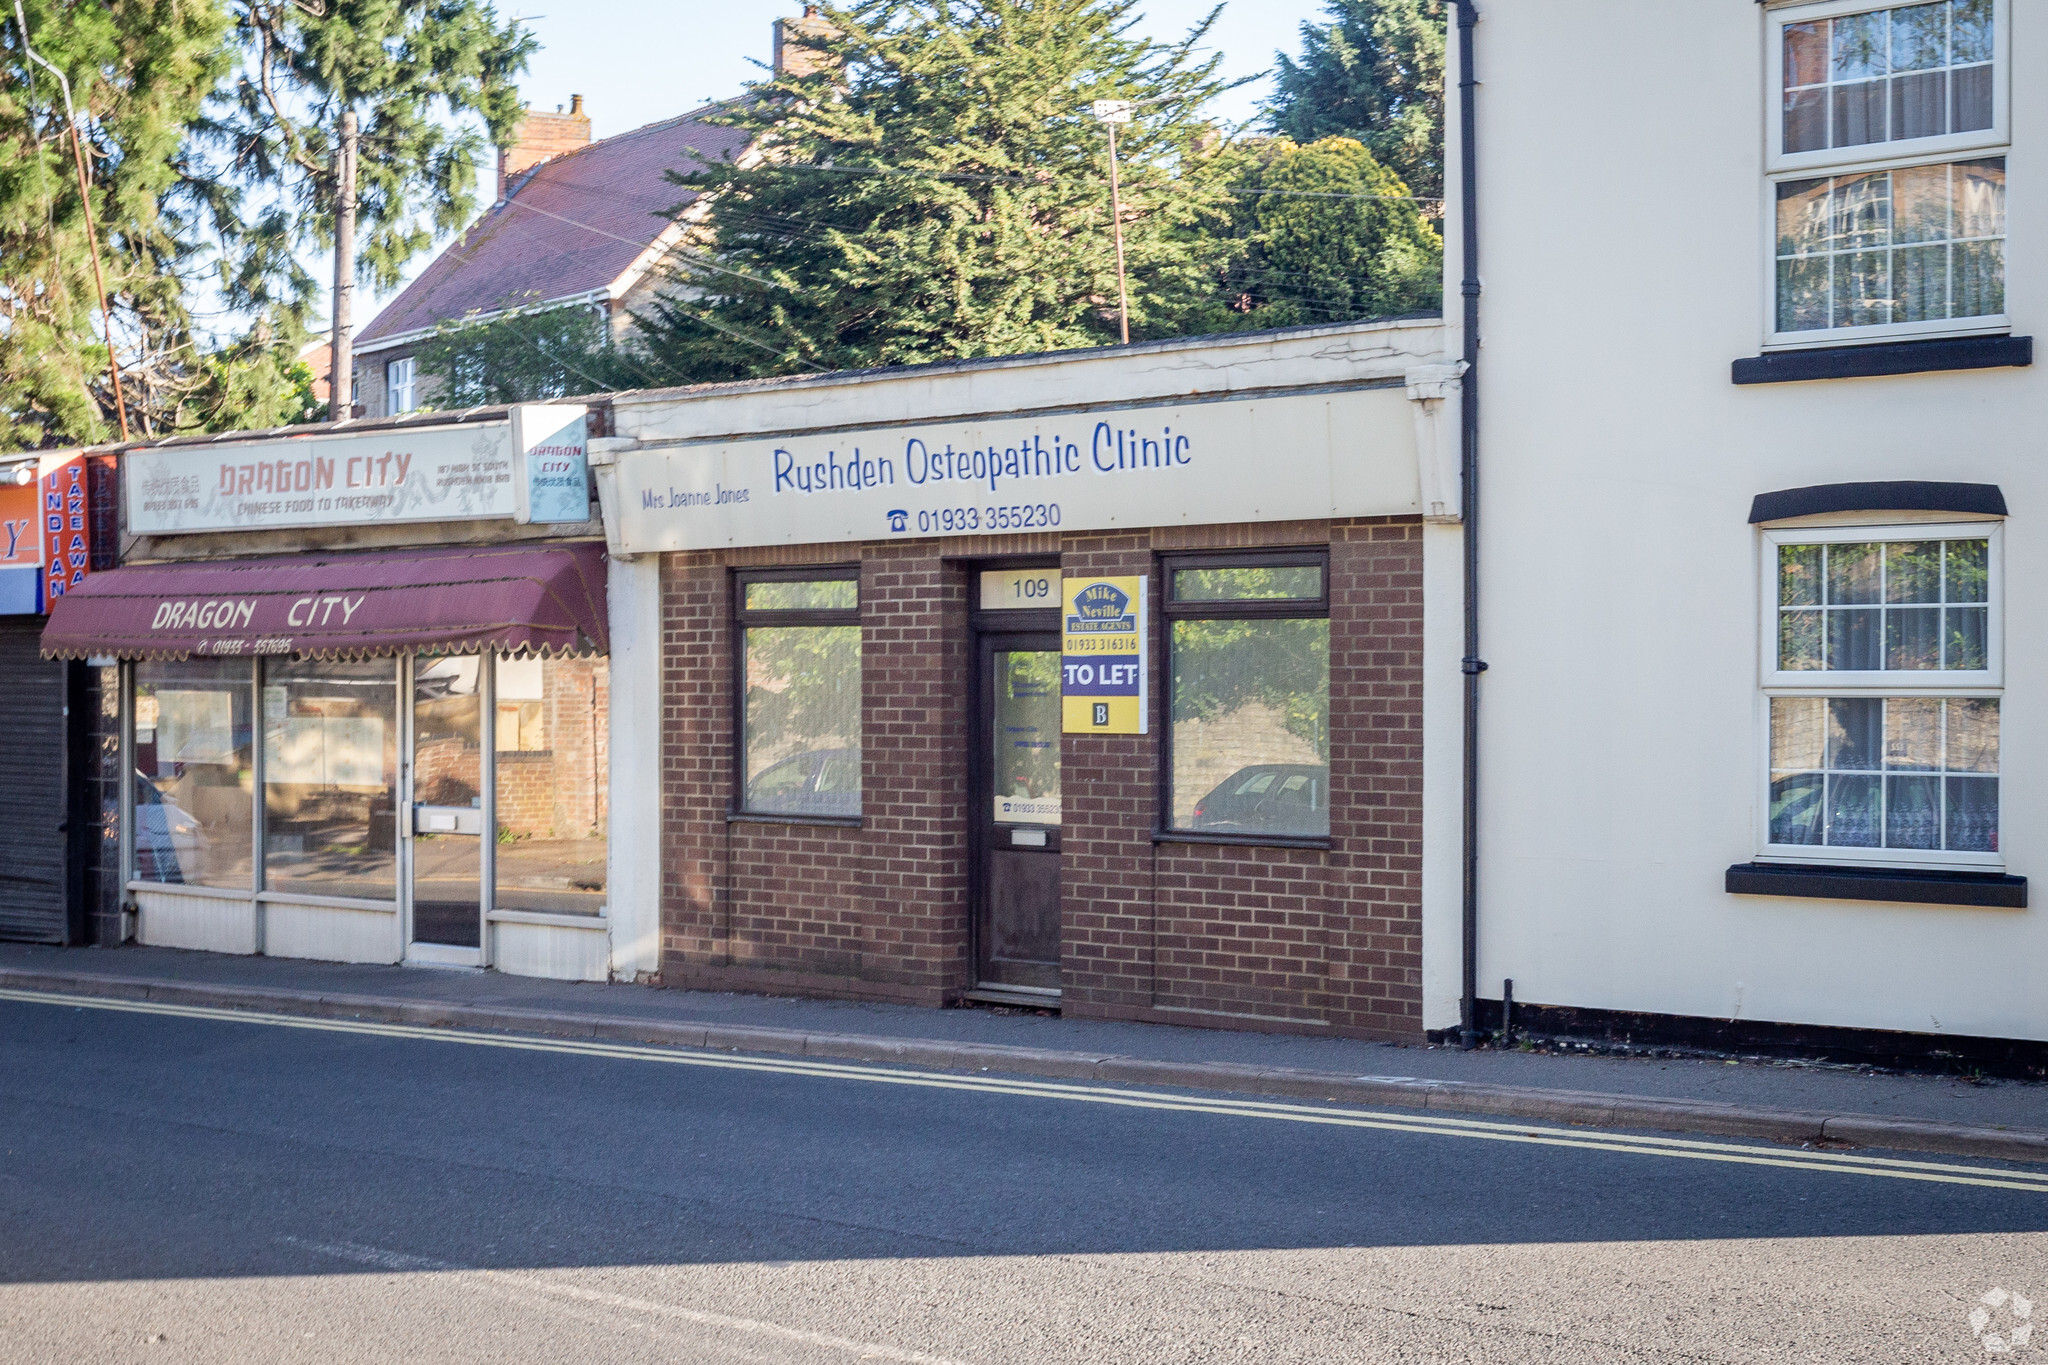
(1110, 113)
(340, 352)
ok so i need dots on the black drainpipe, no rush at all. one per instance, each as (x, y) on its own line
(1468, 472)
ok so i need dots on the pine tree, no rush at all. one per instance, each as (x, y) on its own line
(137, 72)
(418, 74)
(937, 189)
(1374, 72)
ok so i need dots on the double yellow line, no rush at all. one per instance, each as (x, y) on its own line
(1421, 1122)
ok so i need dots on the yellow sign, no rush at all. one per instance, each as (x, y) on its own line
(1103, 689)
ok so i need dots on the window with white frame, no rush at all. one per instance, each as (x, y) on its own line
(1887, 215)
(399, 387)
(1882, 679)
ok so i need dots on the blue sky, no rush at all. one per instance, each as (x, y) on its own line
(636, 61)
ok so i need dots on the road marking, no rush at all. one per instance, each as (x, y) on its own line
(529, 1283)
(1425, 1123)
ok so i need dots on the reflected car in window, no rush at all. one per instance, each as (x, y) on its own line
(1268, 798)
(816, 782)
(166, 835)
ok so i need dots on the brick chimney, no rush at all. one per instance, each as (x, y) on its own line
(792, 58)
(541, 136)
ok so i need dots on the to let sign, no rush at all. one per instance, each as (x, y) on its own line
(1102, 656)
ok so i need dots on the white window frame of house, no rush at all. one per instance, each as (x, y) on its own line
(1928, 683)
(1781, 166)
(400, 378)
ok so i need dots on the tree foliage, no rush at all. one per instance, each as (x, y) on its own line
(1375, 72)
(523, 357)
(938, 190)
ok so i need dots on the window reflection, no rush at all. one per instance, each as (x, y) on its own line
(553, 766)
(1251, 726)
(194, 784)
(330, 777)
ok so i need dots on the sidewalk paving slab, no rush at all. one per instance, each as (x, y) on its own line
(1766, 1099)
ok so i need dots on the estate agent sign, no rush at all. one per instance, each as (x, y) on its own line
(1102, 656)
(522, 468)
(1294, 457)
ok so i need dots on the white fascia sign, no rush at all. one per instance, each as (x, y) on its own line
(1348, 452)
(553, 477)
(450, 473)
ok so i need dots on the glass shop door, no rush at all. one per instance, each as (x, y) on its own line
(447, 860)
(1016, 818)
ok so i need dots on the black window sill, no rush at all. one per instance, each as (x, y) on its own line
(747, 817)
(1908, 885)
(1882, 358)
(1179, 836)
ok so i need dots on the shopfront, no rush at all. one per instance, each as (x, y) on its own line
(390, 753)
(1092, 682)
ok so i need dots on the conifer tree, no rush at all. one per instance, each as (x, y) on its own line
(936, 188)
(1375, 72)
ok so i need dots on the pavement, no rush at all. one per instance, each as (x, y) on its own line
(1816, 1105)
(181, 1186)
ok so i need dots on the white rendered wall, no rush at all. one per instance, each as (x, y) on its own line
(1624, 257)
(633, 860)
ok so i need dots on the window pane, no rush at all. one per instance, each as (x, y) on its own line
(1970, 99)
(193, 777)
(820, 594)
(1854, 637)
(1972, 735)
(1921, 200)
(1912, 571)
(1920, 37)
(1854, 574)
(553, 766)
(1796, 809)
(1863, 210)
(1965, 564)
(1799, 732)
(1859, 113)
(1806, 53)
(1799, 575)
(1971, 35)
(802, 726)
(330, 777)
(1799, 639)
(1863, 289)
(1912, 814)
(1804, 222)
(1803, 294)
(1026, 761)
(1964, 646)
(1228, 585)
(1855, 732)
(1912, 734)
(1806, 120)
(1919, 105)
(1251, 726)
(1855, 805)
(1979, 287)
(1973, 814)
(1980, 198)
(1860, 43)
(1912, 638)
(1920, 284)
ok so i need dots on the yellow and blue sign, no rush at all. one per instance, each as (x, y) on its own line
(1102, 656)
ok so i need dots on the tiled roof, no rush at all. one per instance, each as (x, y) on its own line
(571, 226)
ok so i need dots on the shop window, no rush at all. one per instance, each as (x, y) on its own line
(1866, 246)
(800, 692)
(330, 777)
(553, 767)
(1882, 677)
(193, 780)
(1248, 695)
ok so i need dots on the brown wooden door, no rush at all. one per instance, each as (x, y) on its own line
(1016, 812)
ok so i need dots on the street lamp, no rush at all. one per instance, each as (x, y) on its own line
(1110, 113)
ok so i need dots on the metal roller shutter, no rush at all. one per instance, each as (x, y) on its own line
(32, 880)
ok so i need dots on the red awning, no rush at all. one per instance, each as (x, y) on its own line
(514, 599)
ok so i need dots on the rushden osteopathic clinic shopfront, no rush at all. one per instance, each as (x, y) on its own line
(1091, 681)
(364, 673)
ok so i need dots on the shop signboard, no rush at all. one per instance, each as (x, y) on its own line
(45, 534)
(1103, 656)
(1348, 452)
(470, 471)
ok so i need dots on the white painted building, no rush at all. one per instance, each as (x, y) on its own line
(1762, 736)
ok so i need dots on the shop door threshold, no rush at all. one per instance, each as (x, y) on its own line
(1030, 997)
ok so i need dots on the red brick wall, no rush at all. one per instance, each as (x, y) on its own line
(1297, 939)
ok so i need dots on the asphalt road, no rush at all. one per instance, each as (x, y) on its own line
(195, 1189)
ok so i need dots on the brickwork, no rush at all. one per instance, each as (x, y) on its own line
(1325, 940)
